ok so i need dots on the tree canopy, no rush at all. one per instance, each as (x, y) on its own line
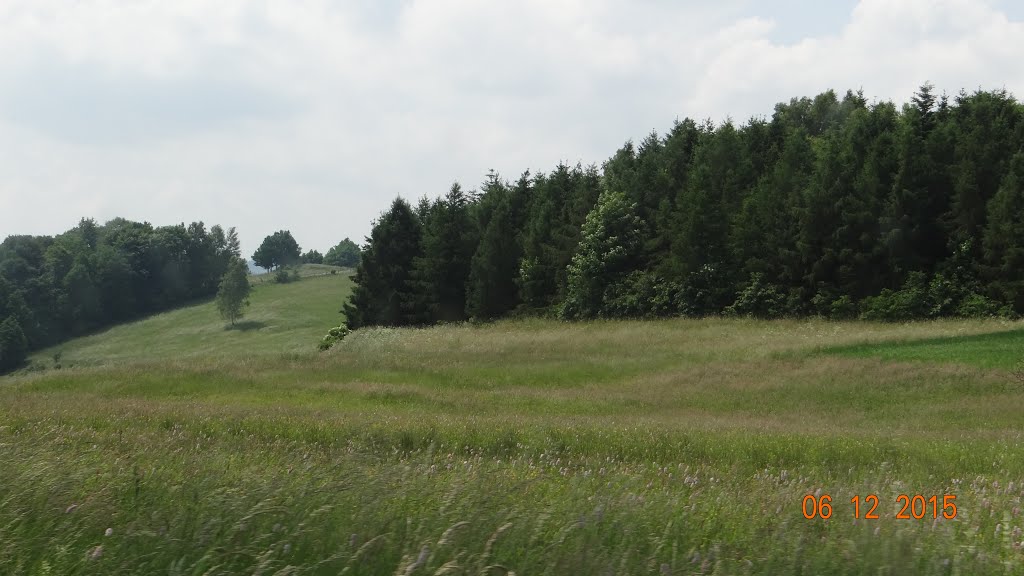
(233, 292)
(345, 254)
(383, 293)
(278, 249)
(312, 257)
(56, 287)
(832, 206)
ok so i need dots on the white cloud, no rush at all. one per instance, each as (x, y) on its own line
(312, 115)
(888, 48)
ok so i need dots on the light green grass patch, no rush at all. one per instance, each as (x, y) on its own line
(1003, 349)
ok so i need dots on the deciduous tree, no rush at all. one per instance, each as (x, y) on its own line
(233, 293)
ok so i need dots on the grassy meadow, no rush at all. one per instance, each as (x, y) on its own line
(175, 446)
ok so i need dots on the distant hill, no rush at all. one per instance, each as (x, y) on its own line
(254, 269)
(281, 318)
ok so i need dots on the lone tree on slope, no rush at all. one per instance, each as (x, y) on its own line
(278, 249)
(234, 291)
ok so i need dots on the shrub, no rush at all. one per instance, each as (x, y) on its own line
(977, 306)
(821, 303)
(943, 295)
(285, 275)
(705, 292)
(796, 304)
(909, 303)
(843, 308)
(334, 335)
(640, 294)
(758, 299)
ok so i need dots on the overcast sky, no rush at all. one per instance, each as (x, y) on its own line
(312, 116)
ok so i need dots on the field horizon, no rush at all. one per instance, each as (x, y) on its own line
(676, 446)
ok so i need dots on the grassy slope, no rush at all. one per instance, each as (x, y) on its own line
(281, 319)
(678, 446)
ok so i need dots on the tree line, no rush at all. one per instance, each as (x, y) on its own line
(92, 276)
(834, 206)
(280, 249)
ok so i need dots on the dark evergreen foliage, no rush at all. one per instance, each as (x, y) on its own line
(382, 280)
(833, 206)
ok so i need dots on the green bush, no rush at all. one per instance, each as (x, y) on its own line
(843, 308)
(334, 335)
(821, 303)
(796, 304)
(285, 275)
(758, 299)
(909, 303)
(943, 296)
(640, 294)
(977, 306)
(705, 292)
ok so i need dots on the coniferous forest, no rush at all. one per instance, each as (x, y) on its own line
(834, 206)
(92, 276)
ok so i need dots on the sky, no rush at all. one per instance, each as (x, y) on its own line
(312, 115)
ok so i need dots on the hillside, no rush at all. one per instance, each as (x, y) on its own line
(539, 446)
(177, 445)
(281, 319)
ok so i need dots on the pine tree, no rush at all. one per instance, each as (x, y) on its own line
(491, 287)
(382, 280)
(1004, 237)
(440, 273)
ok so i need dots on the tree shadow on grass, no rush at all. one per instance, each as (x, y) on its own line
(246, 325)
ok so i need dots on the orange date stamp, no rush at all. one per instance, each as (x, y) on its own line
(916, 507)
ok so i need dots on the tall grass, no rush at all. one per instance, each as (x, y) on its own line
(534, 447)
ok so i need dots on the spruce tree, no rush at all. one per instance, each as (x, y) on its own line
(491, 287)
(440, 273)
(382, 280)
(1004, 237)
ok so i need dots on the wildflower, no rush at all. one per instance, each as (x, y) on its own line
(96, 553)
(109, 532)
